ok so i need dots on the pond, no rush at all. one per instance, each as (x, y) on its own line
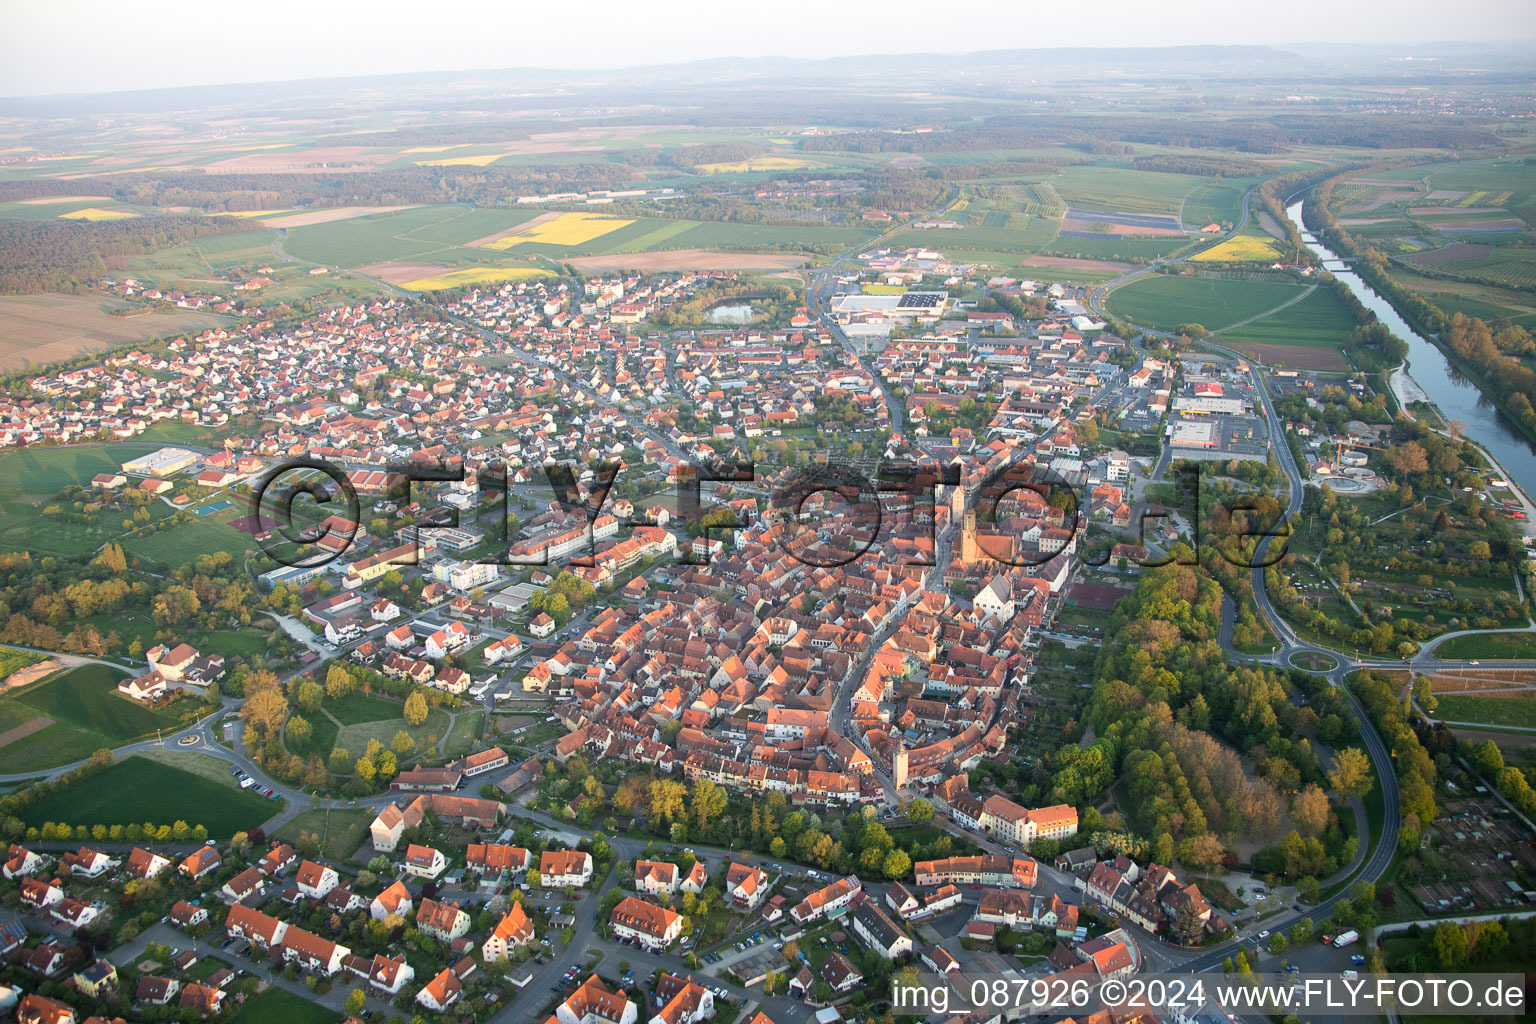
(732, 313)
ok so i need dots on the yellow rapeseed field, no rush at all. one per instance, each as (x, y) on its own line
(473, 159)
(566, 229)
(97, 213)
(1243, 248)
(473, 275)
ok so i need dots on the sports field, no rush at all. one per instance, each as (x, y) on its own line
(141, 790)
(1164, 302)
(204, 535)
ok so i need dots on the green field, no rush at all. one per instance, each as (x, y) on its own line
(354, 737)
(86, 714)
(1164, 302)
(1482, 301)
(1511, 173)
(1025, 235)
(356, 708)
(1493, 710)
(1320, 319)
(1120, 189)
(340, 831)
(29, 478)
(141, 790)
(1117, 248)
(276, 1006)
(1514, 646)
(11, 661)
(1215, 201)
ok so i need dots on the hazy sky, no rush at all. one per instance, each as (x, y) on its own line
(98, 46)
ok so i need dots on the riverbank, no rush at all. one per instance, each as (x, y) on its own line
(1440, 384)
(1407, 391)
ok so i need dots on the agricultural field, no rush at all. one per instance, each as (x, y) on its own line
(1215, 202)
(70, 715)
(38, 329)
(1307, 334)
(429, 241)
(139, 789)
(567, 229)
(1105, 248)
(1097, 187)
(98, 213)
(1243, 248)
(473, 275)
(1020, 235)
(1164, 301)
(1483, 301)
(766, 162)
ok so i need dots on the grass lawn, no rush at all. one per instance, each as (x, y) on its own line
(356, 708)
(277, 1006)
(1515, 646)
(1165, 301)
(140, 789)
(354, 738)
(340, 832)
(1493, 710)
(466, 731)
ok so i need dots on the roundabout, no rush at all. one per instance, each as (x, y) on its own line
(1313, 661)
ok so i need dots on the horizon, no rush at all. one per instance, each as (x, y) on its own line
(69, 51)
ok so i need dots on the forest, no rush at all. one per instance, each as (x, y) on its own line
(67, 256)
(1175, 723)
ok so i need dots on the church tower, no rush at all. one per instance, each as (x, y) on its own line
(968, 552)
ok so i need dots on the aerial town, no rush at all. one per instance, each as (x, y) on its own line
(528, 548)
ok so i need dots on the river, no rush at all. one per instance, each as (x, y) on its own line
(1452, 393)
